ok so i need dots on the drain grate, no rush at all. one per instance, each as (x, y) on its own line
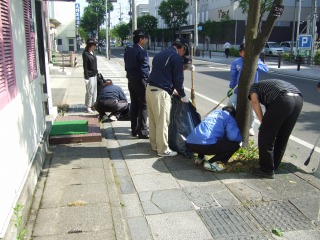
(280, 215)
(230, 222)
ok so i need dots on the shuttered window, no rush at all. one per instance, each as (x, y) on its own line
(7, 71)
(30, 39)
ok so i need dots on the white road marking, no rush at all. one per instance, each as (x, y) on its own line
(293, 138)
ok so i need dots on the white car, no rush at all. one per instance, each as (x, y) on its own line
(286, 45)
(273, 49)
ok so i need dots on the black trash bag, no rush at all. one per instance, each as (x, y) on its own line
(183, 119)
(100, 80)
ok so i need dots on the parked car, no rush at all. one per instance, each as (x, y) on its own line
(273, 49)
(128, 45)
(286, 45)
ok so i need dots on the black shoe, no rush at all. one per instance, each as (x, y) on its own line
(143, 136)
(258, 172)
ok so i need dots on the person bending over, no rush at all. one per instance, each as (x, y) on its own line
(218, 134)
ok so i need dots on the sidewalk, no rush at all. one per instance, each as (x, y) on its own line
(120, 189)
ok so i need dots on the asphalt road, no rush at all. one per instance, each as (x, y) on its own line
(211, 81)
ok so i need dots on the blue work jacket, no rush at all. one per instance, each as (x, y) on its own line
(236, 68)
(216, 126)
(167, 71)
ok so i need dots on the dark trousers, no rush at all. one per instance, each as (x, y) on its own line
(116, 107)
(277, 124)
(226, 52)
(138, 108)
(223, 150)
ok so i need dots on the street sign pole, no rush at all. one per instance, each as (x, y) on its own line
(193, 100)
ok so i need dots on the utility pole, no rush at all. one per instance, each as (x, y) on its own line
(134, 17)
(195, 24)
(314, 31)
(293, 31)
(107, 31)
(298, 24)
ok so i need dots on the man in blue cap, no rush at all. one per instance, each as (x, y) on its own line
(137, 66)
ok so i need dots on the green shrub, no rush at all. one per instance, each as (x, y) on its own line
(317, 58)
(234, 52)
(286, 56)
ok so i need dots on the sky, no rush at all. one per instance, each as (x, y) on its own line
(115, 14)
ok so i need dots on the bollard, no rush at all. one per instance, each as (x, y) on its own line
(299, 61)
(210, 54)
(279, 60)
(202, 53)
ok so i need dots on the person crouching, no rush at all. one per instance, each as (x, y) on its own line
(218, 134)
(112, 99)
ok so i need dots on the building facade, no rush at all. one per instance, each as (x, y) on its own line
(26, 110)
(63, 26)
(219, 10)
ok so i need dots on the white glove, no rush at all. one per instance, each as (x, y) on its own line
(193, 68)
(185, 99)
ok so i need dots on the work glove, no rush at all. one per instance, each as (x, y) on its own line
(185, 99)
(193, 68)
(230, 92)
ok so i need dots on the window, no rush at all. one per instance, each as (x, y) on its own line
(30, 39)
(7, 70)
(59, 41)
(71, 41)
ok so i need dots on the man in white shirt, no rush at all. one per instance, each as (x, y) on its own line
(226, 48)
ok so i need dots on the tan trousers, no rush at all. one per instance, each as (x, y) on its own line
(159, 105)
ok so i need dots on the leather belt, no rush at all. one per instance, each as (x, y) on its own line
(153, 90)
(292, 94)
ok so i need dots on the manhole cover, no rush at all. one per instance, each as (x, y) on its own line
(280, 215)
(233, 222)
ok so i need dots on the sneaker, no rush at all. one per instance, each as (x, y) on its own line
(215, 166)
(251, 132)
(168, 153)
(104, 119)
(258, 172)
(89, 110)
(113, 118)
(199, 161)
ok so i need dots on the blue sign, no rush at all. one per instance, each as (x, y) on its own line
(200, 28)
(77, 9)
(305, 41)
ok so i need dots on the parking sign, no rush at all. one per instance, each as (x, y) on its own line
(305, 42)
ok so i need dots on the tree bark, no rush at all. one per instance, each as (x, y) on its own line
(254, 41)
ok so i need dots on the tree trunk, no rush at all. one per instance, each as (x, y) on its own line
(255, 42)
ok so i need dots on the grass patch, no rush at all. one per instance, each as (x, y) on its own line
(242, 160)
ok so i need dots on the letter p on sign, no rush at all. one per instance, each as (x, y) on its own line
(305, 41)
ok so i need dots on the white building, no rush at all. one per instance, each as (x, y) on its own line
(25, 101)
(142, 9)
(216, 10)
(63, 26)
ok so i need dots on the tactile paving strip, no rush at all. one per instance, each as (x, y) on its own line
(231, 223)
(280, 215)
